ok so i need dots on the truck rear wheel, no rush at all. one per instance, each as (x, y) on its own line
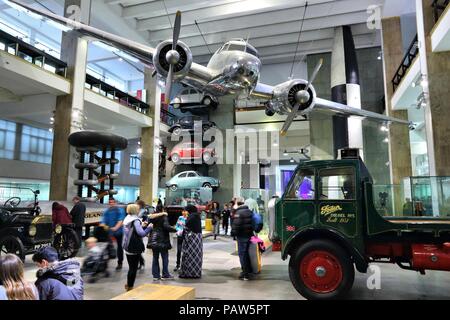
(321, 270)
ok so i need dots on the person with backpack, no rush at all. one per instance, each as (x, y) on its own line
(143, 215)
(57, 280)
(133, 245)
(242, 228)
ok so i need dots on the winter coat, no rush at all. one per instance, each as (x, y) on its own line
(160, 237)
(78, 213)
(127, 227)
(60, 215)
(216, 215)
(61, 281)
(194, 223)
(242, 226)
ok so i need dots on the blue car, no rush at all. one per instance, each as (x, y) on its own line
(192, 180)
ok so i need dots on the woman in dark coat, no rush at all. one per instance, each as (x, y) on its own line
(192, 250)
(160, 245)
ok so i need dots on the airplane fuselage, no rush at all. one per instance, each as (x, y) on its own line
(235, 72)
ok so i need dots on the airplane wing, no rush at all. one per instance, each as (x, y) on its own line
(139, 51)
(275, 94)
(345, 110)
(196, 77)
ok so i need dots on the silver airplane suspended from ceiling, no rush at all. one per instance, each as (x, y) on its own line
(234, 69)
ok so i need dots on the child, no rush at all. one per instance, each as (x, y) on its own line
(97, 258)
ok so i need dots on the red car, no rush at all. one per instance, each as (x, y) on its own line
(189, 151)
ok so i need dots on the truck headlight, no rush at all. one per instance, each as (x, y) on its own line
(32, 231)
(58, 229)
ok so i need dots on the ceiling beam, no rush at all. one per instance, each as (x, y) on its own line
(157, 9)
(273, 36)
(289, 11)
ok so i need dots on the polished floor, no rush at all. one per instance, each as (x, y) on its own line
(221, 269)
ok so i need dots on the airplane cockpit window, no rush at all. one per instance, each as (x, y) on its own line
(252, 51)
(236, 47)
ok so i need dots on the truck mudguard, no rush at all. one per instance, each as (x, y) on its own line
(304, 235)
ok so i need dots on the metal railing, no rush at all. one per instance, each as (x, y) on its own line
(168, 118)
(439, 7)
(27, 52)
(115, 94)
(407, 61)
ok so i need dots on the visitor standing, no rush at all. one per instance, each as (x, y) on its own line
(216, 218)
(192, 250)
(160, 245)
(13, 285)
(242, 228)
(133, 245)
(143, 215)
(181, 222)
(78, 214)
(225, 218)
(112, 219)
(60, 214)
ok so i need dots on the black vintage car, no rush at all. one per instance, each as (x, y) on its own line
(23, 230)
(191, 124)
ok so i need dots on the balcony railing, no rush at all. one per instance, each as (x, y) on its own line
(407, 61)
(439, 7)
(26, 51)
(168, 118)
(115, 94)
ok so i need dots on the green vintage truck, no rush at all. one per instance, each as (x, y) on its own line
(326, 222)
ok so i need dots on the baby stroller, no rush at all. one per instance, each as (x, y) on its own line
(96, 262)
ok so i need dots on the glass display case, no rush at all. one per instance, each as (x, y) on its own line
(178, 199)
(417, 196)
(257, 200)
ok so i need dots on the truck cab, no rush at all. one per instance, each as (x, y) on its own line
(326, 222)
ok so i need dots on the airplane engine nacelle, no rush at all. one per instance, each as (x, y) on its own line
(162, 65)
(284, 97)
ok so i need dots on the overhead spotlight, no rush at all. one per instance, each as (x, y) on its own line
(380, 55)
(139, 143)
(424, 81)
(139, 150)
(384, 128)
(292, 160)
(285, 153)
(386, 140)
(275, 144)
(50, 129)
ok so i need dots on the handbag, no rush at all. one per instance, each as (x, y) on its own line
(135, 242)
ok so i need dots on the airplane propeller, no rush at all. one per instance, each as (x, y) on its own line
(301, 97)
(172, 56)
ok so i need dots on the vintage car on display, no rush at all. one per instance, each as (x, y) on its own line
(326, 221)
(192, 180)
(191, 99)
(188, 152)
(191, 124)
(23, 229)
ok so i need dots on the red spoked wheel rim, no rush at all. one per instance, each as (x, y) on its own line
(321, 271)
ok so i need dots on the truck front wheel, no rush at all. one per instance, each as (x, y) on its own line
(321, 269)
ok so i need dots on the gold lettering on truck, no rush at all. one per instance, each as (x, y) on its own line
(328, 209)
